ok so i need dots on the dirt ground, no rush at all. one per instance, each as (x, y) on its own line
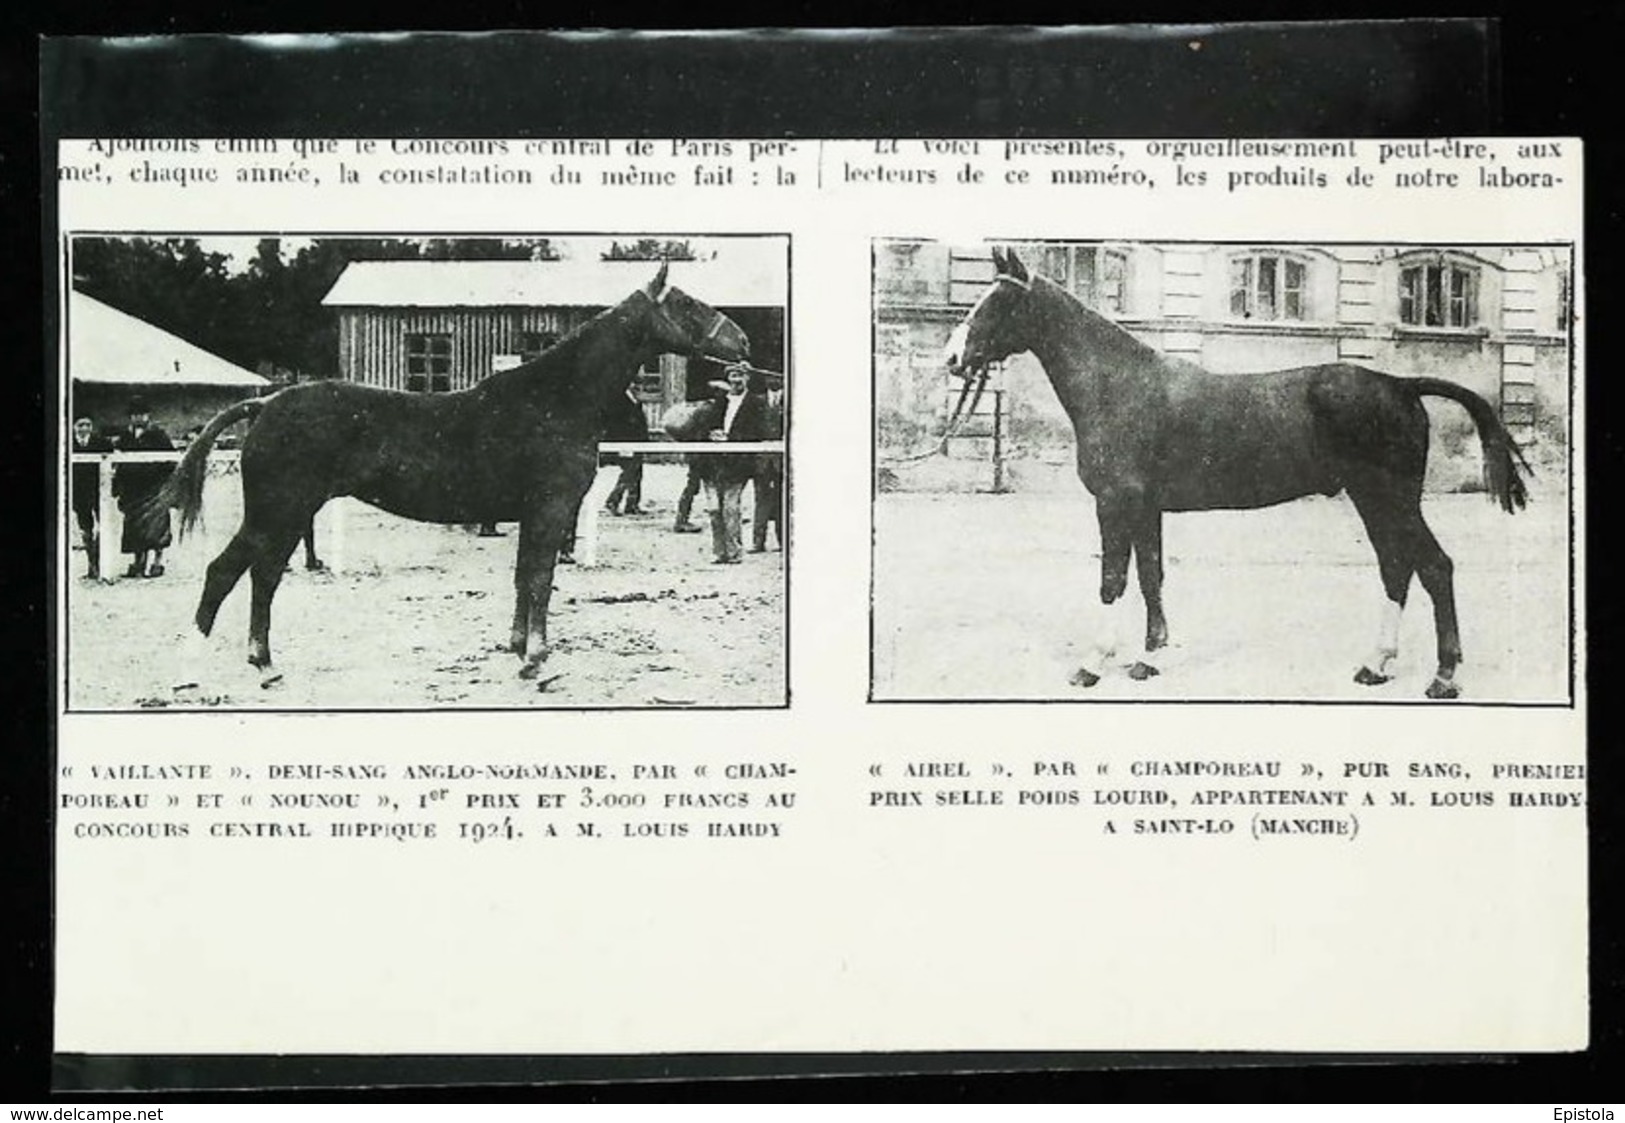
(992, 597)
(412, 616)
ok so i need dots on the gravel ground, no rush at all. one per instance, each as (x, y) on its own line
(992, 597)
(414, 613)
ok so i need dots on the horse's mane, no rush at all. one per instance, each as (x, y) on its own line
(1108, 341)
(559, 360)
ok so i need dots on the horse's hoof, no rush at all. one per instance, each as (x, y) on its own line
(1365, 676)
(531, 670)
(543, 684)
(1083, 677)
(1142, 671)
(1441, 688)
(270, 679)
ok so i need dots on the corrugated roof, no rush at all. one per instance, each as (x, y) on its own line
(109, 346)
(753, 277)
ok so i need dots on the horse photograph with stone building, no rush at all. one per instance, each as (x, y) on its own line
(1218, 471)
(471, 437)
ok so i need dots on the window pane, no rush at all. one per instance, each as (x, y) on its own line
(440, 383)
(1292, 300)
(1458, 298)
(1408, 280)
(1055, 266)
(416, 383)
(1433, 315)
(1241, 284)
(1114, 270)
(1268, 277)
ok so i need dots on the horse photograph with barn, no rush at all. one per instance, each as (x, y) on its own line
(489, 448)
(1182, 471)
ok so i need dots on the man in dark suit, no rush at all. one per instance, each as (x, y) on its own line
(745, 418)
(768, 481)
(85, 490)
(627, 422)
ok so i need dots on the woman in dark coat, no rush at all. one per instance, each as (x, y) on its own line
(134, 485)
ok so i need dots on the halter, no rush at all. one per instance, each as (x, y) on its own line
(979, 383)
(716, 326)
(718, 318)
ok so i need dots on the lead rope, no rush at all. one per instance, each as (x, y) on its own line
(956, 421)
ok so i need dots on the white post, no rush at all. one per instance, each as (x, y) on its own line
(332, 531)
(107, 521)
(587, 519)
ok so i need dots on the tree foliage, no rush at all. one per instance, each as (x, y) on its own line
(650, 249)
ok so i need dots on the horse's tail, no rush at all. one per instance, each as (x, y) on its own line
(1504, 465)
(184, 488)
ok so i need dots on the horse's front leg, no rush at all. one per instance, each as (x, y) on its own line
(1116, 539)
(521, 595)
(1148, 566)
(540, 536)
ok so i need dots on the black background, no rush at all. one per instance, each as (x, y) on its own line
(1536, 70)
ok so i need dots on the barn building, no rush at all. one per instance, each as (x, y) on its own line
(114, 357)
(435, 326)
(1495, 319)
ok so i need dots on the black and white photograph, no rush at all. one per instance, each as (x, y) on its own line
(1180, 471)
(421, 472)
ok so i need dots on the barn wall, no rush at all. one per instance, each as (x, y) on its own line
(372, 341)
(372, 345)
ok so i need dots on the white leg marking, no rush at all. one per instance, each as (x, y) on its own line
(1387, 639)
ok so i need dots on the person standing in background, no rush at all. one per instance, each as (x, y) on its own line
(627, 423)
(744, 419)
(768, 482)
(85, 482)
(145, 532)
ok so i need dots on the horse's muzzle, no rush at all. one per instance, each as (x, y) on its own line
(726, 342)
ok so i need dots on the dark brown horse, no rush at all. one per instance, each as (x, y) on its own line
(1156, 434)
(519, 446)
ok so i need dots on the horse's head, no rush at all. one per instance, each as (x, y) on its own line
(992, 330)
(687, 326)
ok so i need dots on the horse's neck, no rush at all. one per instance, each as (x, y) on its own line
(1095, 366)
(604, 358)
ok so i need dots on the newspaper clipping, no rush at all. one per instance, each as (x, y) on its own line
(648, 596)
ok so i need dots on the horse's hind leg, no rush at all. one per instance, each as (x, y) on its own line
(1148, 567)
(1437, 573)
(222, 576)
(1386, 526)
(266, 574)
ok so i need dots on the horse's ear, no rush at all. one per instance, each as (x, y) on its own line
(658, 285)
(998, 260)
(1014, 266)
